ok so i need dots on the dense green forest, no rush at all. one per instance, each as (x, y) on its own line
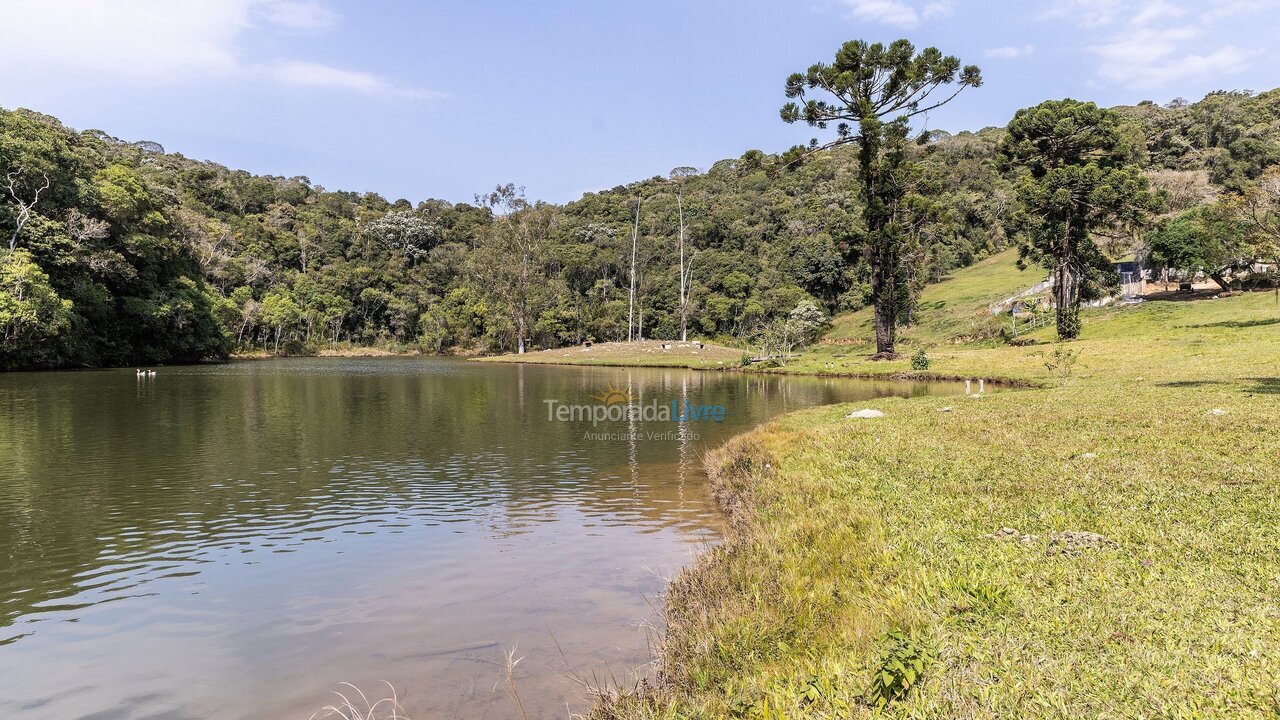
(119, 253)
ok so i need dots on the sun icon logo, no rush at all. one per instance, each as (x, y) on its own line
(613, 396)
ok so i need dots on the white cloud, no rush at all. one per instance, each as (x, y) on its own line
(1141, 46)
(1102, 13)
(1152, 44)
(1223, 9)
(152, 38)
(1085, 13)
(1011, 52)
(170, 41)
(1166, 65)
(1156, 10)
(898, 12)
(298, 15)
(939, 8)
(309, 74)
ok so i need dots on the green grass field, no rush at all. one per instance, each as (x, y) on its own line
(1102, 546)
(954, 308)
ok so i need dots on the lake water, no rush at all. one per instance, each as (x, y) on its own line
(234, 541)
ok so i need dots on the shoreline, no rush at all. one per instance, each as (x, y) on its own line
(996, 538)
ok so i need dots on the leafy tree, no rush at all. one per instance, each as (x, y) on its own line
(1077, 180)
(32, 316)
(405, 232)
(1259, 210)
(511, 258)
(159, 258)
(1208, 239)
(879, 90)
(280, 312)
(807, 321)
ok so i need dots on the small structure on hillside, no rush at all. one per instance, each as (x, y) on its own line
(1133, 279)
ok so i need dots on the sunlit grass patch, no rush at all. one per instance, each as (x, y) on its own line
(1104, 546)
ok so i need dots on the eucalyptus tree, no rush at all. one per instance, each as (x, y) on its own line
(1078, 179)
(25, 208)
(510, 260)
(406, 233)
(679, 176)
(871, 92)
(631, 302)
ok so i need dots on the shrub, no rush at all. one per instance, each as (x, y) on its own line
(901, 669)
(920, 361)
(1062, 363)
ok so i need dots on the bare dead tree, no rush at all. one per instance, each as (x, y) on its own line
(85, 229)
(679, 176)
(24, 208)
(635, 243)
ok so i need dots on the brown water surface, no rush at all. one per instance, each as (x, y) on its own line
(234, 541)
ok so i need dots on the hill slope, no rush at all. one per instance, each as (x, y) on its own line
(953, 309)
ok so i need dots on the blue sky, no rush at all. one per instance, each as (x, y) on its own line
(448, 97)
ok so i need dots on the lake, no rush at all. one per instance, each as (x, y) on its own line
(235, 541)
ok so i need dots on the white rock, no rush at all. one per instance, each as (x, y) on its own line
(1217, 411)
(1089, 456)
(948, 409)
(867, 414)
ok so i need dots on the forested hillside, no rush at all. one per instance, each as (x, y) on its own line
(119, 253)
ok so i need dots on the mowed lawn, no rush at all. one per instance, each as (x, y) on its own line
(1104, 546)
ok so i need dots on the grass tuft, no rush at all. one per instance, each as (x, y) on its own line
(387, 708)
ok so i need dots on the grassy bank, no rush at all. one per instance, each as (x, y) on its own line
(348, 351)
(955, 308)
(1104, 546)
(647, 353)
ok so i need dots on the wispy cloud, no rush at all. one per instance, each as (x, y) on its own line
(1158, 43)
(298, 15)
(1085, 13)
(898, 12)
(170, 41)
(1156, 59)
(1011, 52)
(1224, 9)
(310, 74)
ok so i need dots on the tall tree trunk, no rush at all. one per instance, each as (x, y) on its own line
(885, 307)
(520, 333)
(1221, 280)
(631, 302)
(876, 215)
(684, 294)
(1066, 291)
(1066, 286)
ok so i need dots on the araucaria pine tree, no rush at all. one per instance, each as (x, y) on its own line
(871, 92)
(1078, 180)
